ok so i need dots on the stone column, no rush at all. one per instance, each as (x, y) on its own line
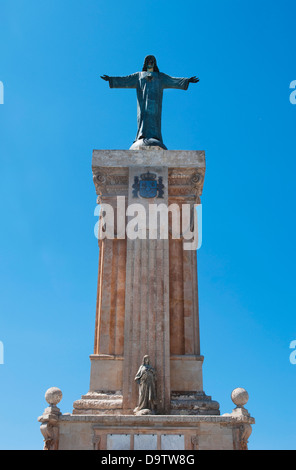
(147, 301)
(147, 328)
(185, 187)
(106, 361)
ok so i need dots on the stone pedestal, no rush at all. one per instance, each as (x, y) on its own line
(148, 433)
(147, 292)
(147, 304)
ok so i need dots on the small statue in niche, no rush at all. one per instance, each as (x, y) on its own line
(146, 379)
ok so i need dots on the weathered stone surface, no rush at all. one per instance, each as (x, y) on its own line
(98, 403)
(106, 372)
(199, 432)
(186, 373)
(147, 305)
(193, 404)
(239, 396)
(53, 396)
(186, 170)
(149, 157)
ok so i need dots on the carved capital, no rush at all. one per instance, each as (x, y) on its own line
(196, 181)
(110, 181)
(186, 182)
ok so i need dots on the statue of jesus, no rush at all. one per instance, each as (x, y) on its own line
(149, 84)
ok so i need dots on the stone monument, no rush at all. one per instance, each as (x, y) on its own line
(147, 302)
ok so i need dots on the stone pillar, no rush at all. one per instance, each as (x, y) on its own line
(109, 325)
(147, 327)
(147, 300)
(185, 187)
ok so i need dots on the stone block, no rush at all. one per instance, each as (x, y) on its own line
(106, 373)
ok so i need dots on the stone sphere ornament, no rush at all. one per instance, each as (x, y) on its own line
(239, 396)
(53, 396)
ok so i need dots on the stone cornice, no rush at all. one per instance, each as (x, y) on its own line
(180, 421)
(152, 157)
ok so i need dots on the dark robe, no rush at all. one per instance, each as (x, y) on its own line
(149, 86)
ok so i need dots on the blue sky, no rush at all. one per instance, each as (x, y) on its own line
(57, 110)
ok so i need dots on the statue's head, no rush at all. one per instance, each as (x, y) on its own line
(146, 360)
(150, 62)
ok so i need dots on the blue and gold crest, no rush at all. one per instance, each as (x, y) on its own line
(148, 186)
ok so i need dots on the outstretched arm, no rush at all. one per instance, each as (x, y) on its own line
(130, 81)
(180, 83)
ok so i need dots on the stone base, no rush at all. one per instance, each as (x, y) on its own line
(88, 429)
(146, 144)
(193, 403)
(105, 396)
(107, 373)
(98, 403)
(111, 403)
(153, 432)
(186, 373)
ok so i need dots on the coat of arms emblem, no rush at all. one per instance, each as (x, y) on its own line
(148, 186)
